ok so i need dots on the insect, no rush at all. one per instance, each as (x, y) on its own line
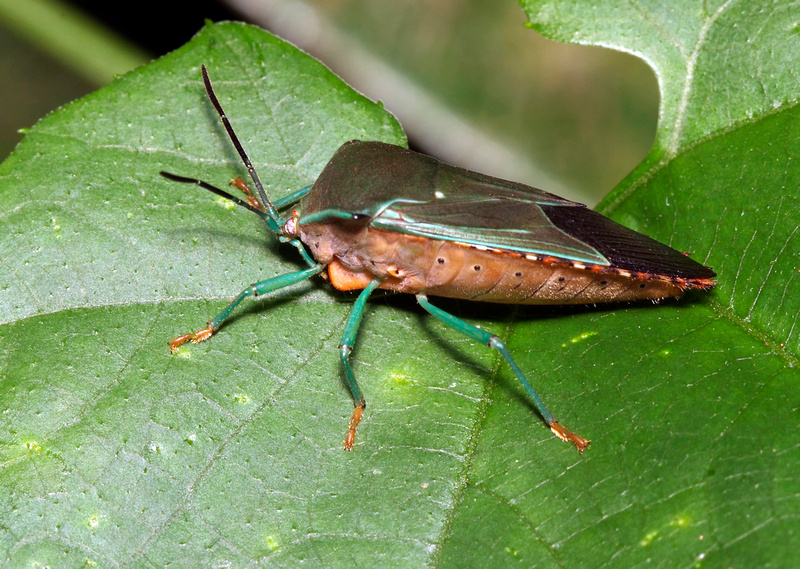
(382, 216)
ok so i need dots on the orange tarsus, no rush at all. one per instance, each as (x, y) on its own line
(173, 345)
(358, 412)
(569, 436)
(195, 337)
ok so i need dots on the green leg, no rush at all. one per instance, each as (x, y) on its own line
(259, 288)
(495, 342)
(345, 348)
(303, 253)
(291, 198)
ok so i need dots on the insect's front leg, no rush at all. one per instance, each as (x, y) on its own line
(256, 289)
(345, 348)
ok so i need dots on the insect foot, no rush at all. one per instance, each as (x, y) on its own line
(195, 337)
(569, 436)
(358, 412)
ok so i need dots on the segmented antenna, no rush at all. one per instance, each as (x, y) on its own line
(271, 211)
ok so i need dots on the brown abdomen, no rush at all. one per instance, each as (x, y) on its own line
(416, 265)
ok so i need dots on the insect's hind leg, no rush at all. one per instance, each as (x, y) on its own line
(257, 289)
(495, 342)
(345, 348)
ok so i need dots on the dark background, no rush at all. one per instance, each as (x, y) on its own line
(32, 83)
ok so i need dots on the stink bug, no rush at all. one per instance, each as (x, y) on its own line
(382, 216)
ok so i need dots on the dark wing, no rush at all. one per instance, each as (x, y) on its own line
(625, 248)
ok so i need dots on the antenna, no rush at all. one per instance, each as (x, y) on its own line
(271, 211)
(215, 190)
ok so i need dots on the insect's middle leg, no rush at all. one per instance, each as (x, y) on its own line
(495, 342)
(257, 289)
(345, 348)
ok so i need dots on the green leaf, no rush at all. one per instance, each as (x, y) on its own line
(115, 452)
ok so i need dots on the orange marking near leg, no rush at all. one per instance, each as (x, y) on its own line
(343, 278)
